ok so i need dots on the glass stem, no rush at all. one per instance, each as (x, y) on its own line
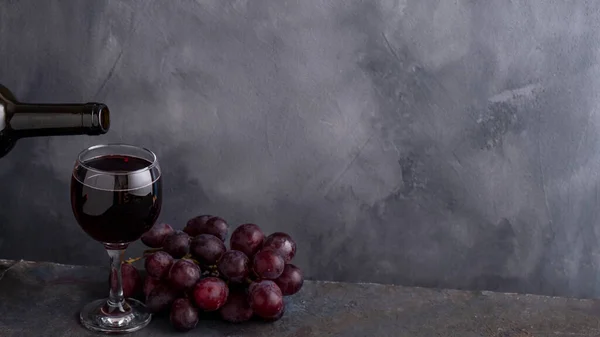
(116, 301)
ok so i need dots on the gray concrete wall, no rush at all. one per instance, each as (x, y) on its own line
(419, 142)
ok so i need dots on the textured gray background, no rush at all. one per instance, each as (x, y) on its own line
(419, 142)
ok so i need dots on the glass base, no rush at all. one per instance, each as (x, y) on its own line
(97, 316)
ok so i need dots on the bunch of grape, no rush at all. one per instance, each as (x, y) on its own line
(191, 271)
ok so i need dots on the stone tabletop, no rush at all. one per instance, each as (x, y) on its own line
(43, 299)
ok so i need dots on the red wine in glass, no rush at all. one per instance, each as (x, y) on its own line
(115, 214)
(116, 196)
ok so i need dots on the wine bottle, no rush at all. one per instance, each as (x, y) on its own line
(22, 120)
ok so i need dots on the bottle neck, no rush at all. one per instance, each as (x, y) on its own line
(34, 120)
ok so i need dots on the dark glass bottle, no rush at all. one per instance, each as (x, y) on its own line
(22, 120)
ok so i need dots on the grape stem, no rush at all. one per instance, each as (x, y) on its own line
(148, 252)
(151, 251)
(190, 258)
(133, 259)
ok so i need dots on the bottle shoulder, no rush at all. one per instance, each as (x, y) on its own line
(3, 117)
(6, 95)
(7, 100)
(6, 143)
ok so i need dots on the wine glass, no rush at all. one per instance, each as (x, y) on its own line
(116, 196)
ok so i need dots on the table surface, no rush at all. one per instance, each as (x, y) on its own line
(43, 299)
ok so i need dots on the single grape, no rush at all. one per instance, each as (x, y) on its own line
(177, 244)
(217, 227)
(236, 309)
(283, 244)
(265, 299)
(290, 281)
(268, 264)
(155, 237)
(158, 264)
(161, 298)
(234, 266)
(210, 293)
(149, 284)
(195, 225)
(207, 249)
(131, 280)
(274, 318)
(247, 238)
(184, 316)
(183, 274)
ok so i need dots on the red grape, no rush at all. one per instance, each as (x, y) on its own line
(130, 280)
(210, 293)
(155, 237)
(217, 227)
(177, 244)
(158, 264)
(283, 244)
(195, 225)
(234, 266)
(207, 249)
(274, 318)
(184, 316)
(266, 299)
(183, 274)
(236, 309)
(247, 238)
(160, 298)
(149, 284)
(290, 281)
(268, 264)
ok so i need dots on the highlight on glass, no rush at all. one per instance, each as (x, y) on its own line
(116, 196)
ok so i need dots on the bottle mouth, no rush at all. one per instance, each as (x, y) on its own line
(104, 119)
(98, 123)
